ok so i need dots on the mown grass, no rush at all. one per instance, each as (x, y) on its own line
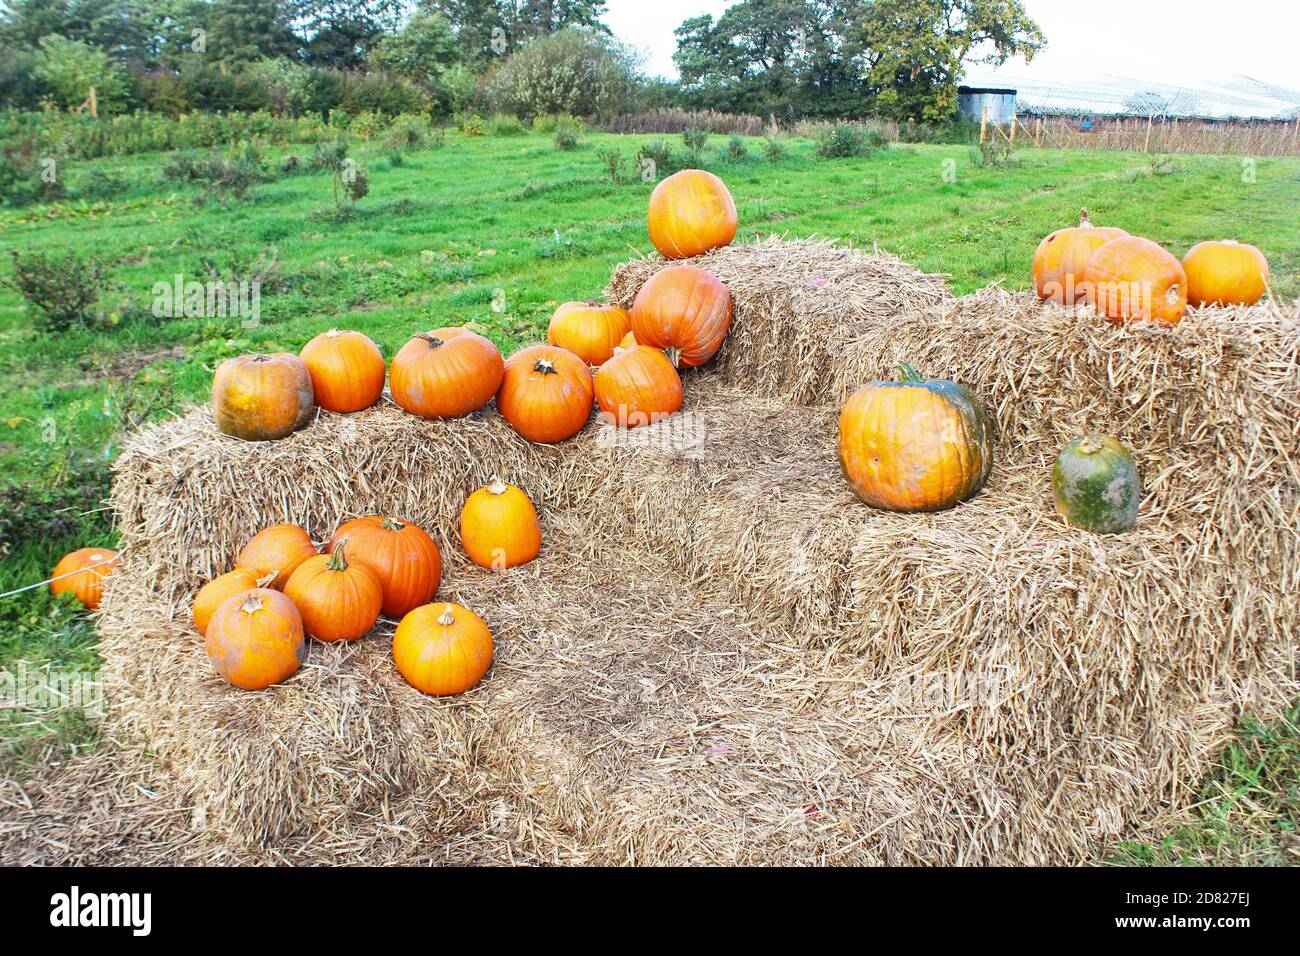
(498, 231)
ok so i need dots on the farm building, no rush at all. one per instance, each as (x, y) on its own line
(998, 105)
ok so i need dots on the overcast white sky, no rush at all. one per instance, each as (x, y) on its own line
(1145, 39)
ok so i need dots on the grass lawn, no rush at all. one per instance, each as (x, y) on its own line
(498, 231)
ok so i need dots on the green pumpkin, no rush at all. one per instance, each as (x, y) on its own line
(1096, 484)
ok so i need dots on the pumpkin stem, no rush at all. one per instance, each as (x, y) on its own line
(445, 618)
(907, 373)
(674, 355)
(338, 560)
(545, 366)
(333, 333)
(265, 580)
(430, 338)
(1083, 217)
(252, 604)
(496, 486)
(1089, 445)
(391, 524)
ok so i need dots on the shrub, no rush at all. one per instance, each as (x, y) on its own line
(328, 155)
(774, 149)
(575, 71)
(60, 290)
(505, 124)
(994, 151)
(471, 124)
(655, 160)
(70, 68)
(567, 131)
(848, 139)
(407, 132)
(223, 176)
(736, 151)
(102, 184)
(695, 139)
(613, 162)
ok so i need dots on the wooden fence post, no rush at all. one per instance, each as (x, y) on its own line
(984, 124)
(1014, 121)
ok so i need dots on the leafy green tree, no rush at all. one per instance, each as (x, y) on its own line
(575, 71)
(69, 68)
(421, 50)
(342, 33)
(487, 30)
(243, 31)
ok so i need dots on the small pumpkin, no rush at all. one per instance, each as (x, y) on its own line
(499, 527)
(1062, 257)
(255, 639)
(338, 601)
(684, 310)
(347, 370)
(442, 649)
(914, 445)
(690, 213)
(638, 386)
(445, 373)
(1096, 485)
(217, 591)
(262, 397)
(628, 340)
(274, 553)
(1226, 272)
(1134, 279)
(82, 573)
(404, 559)
(589, 330)
(546, 393)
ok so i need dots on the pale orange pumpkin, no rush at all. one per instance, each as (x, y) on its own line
(445, 373)
(1134, 279)
(442, 649)
(255, 639)
(262, 397)
(684, 310)
(499, 527)
(638, 386)
(82, 572)
(627, 341)
(217, 591)
(589, 330)
(1062, 257)
(403, 557)
(546, 393)
(347, 370)
(1226, 272)
(274, 553)
(691, 212)
(338, 601)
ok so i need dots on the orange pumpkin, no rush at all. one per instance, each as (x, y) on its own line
(627, 341)
(1062, 257)
(445, 373)
(82, 573)
(1226, 273)
(442, 649)
(914, 445)
(404, 559)
(546, 393)
(1135, 279)
(217, 591)
(338, 601)
(589, 330)
(499, 527)
(691, 212)
(347, 370)
(638, 386)
(685, 311)
(255, 639)
(274, 553)
(262, 397)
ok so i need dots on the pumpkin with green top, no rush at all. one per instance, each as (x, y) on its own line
(1096, 485)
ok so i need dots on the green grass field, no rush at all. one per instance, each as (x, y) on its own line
(498, 231)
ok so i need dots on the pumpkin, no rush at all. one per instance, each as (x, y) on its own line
(589, 330)
(499, 527)
(1096, 485)
(691, 212)
(217, 591)
(638, 386)
(1061, 258)
(262, 397)
(442, 649)
(546, 393)
(347, 370)
(274, 553)
(1135, 279)
(82, 573)
(914, 445)
(445, 373)
(627, 341)
(685, 311)
(1225, 272)
(255, 639)
(338, 601)
(404, 559)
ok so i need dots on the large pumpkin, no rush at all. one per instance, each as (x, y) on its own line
(638, 386)
(255, 639)
(82, 574)
(347, 370)
(338, 601)
(1062, 257)
(685, 311)
(442, 648)
(274, 553)
(445, 373)
(691, 212)
(1134, 279)
(589, 330)
(499, 527)
(1225, 272)
(914, 445)
(1096, 485)
(262, 397)
(217, 591)
(404, 558)
(546, 393)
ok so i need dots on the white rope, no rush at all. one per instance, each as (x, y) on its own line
(41, 584)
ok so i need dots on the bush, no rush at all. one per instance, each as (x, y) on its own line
(994, 151)
(567, 131)
(224, 176)
(102, 184)
(695, 140)
(849, 139)
(613, 162)
(471, 124)
(736, 151)
(505, 124)
(656, 160)
(774, 149)
(328, 156)
(575, 71)
(407, 132)
(60, 290)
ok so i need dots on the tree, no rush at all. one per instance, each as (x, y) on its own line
(342, 33)
(244, 31)
(487, 30)
(69, 68)
(574, 71)
(422, 50)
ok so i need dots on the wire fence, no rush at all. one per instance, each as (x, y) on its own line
(1156, 135)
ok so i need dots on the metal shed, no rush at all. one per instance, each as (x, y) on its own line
(973, 100)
